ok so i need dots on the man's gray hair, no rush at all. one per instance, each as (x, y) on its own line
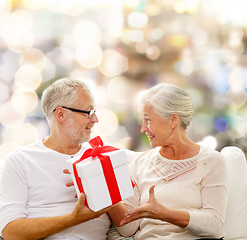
(166, 98)
(59, 93)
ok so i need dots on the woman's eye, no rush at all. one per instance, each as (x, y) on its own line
(147, 120)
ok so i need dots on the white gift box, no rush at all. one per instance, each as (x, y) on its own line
(94, 181)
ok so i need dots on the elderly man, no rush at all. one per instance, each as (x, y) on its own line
(34, 200)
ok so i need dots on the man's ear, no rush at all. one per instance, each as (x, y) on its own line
(60, 114)
(174, 119)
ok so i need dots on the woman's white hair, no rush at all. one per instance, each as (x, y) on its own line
(62, 92)
(166, 98)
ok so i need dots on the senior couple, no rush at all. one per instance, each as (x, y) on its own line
(180, 187)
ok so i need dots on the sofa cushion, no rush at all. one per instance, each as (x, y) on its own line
(236, 215)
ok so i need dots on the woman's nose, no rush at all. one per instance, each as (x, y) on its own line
(143, 128)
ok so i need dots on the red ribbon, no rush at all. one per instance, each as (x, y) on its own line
(96, 151)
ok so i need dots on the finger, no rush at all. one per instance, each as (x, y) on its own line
(151, 193)
(130, 218)
(69, 184)
(82, 198)
(104, 210)
(66, 171)
(134, 211)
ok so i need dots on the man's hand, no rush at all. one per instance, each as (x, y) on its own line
(69, 184)
(82, 213)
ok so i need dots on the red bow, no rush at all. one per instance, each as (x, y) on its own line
(96, 151)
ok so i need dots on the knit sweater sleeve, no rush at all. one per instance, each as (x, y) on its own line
(209, 220)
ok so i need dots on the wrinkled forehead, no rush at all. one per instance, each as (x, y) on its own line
(146, 109)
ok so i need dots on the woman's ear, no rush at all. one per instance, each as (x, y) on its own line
(174, 118)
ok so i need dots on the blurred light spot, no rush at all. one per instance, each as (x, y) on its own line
(9, 117)
(61, 56)
(236, 79)
(34, 4)
(153, 53)
(239, 127)
(115, 22)
(4, 92)
(124, 143)
(156, 34)
(142, 46)
(49, 71)
(220, 124)
(108, 123)
(5, 7)
(87, 33)
(139, 96)
(217, 74)
(137, 20)
(24, 42)
(61, 5)
(189, 6)
(209, 141)
(71, 8)
(15, 30)
(28, 77)
(235, 38)
(153, 9)
(9, 66)
(100, 97)
(15, 24)
(135, 36)
(35, 57)
(25, 134)
(6, 148)
(113, 63)
(239, 98)
(205, 121)
(89, 56)
(131, 3)
(118, 90)
(231, 13)
(197, 98)
(24, 101)
(178, 40)
(186, 65)
(199, 37)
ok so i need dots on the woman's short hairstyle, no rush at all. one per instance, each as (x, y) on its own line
(59, 93)
(166, 98)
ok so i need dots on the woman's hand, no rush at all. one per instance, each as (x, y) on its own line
(155, 210)
(151, 209)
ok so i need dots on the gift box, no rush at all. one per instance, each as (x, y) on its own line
(102, 174)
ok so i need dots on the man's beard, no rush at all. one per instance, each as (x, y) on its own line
(77, 136)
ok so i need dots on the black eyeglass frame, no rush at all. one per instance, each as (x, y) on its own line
(89, 113)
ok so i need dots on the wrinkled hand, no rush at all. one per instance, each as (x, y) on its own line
(151, 209)
(82, 213)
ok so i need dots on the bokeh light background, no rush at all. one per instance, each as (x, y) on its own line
(120, 47)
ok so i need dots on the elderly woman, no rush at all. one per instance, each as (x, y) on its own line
(180, 186)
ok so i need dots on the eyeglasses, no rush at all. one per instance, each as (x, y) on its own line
(89, 113)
